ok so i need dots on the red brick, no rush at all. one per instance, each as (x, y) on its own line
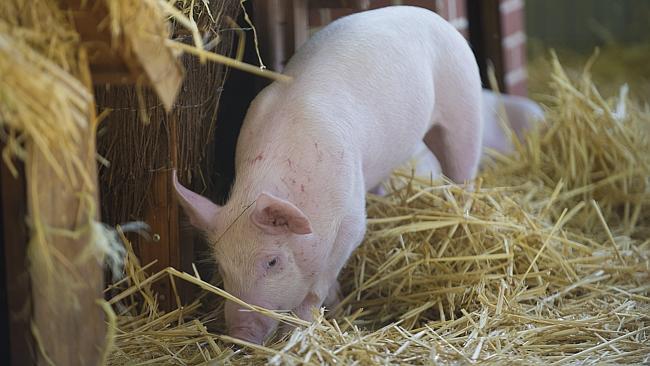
(515, 57)
(461, 8)
(452, 9)
(442, 8)
(512, 22)
(459, 23)
(520, 89)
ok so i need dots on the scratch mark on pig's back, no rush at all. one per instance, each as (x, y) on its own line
(259, 157)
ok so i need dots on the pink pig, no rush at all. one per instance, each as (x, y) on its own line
(367, 88)
(521, 114)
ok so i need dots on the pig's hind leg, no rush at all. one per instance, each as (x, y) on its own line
(456, 136)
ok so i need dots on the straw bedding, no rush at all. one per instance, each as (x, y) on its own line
(616, 65)
(546, 260)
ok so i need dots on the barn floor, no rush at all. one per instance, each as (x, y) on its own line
(547, 261)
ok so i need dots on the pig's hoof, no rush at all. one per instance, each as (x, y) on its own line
(333, 296)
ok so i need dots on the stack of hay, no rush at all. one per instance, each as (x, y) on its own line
(547, 260)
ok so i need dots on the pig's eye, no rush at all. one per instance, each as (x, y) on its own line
(271, 264)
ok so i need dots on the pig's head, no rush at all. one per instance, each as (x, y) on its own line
(263, 256)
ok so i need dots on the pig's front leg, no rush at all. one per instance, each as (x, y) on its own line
(325, 293)
(333, 296)
(304, 310)
(350, 234)
(330, 300)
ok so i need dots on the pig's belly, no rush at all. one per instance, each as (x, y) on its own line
(373, 177)
(393, 149)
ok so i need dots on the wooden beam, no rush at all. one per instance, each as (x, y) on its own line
(163, 70)
(68, 323)
(113, 77)
(98, 42)
(17, 285)
(139, 55)
(161, 213)
(67, 277)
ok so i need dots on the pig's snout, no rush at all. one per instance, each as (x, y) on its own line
(247, 325)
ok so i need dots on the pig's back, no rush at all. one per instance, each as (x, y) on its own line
(373, 75)
(364, 83)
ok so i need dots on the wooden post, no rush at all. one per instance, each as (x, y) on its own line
(161, 213)
(67, 280)
(67, 277)
(14, 244)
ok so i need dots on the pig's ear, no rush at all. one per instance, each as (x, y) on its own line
(200, 210)
(276, 216)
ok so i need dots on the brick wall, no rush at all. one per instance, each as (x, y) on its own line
(514, 45)
(455, 11)
(452, 10)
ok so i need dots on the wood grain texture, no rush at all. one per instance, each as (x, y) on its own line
(139, 56)
(161, 214)
(66, 278)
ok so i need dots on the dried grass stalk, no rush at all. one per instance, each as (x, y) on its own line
(547, 261)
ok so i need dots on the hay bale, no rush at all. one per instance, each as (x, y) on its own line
(546, 261)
